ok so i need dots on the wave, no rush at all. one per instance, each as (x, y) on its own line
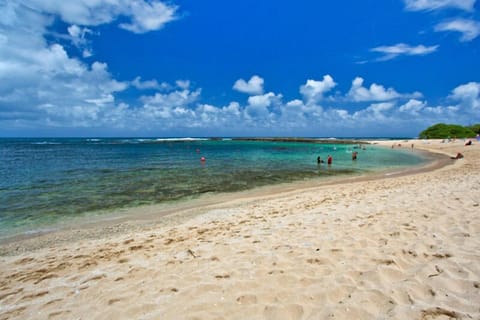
(180, 139)
(45, 143)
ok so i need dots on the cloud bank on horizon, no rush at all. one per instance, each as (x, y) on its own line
(51, 82)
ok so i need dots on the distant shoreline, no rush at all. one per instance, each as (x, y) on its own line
(307, 140)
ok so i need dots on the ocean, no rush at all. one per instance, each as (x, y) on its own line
(48, 181)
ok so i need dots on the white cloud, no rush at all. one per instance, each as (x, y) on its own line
(254, 86)
(177, 98)
(149, 84)
(376, 113)
(78, 38)
(87, 53)
(258, 106)
(106, 99)
(412, 107)
(173, 109)
(470, 29)
(314, 90)
(144, 15)
(468, 95)
(418, 5)
(261, 101)
(218, 118)
(77, 34)
(43, 85)
(41, 81)
(233, 108)
(183, 84)
(295, 104)
(391, 52)
(381, 107)
(375, 93)
(148, 16)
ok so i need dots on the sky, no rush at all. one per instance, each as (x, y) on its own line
(189, 68)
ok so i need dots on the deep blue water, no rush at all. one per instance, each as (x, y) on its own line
(44, 181)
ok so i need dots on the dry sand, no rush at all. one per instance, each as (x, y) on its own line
(400, 247)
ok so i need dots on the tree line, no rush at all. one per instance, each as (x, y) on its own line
(446, 131)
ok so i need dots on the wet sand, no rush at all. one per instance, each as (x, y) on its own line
(393, 247)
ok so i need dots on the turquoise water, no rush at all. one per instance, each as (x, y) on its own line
(45, 181)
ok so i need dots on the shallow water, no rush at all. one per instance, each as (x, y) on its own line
(45, 181)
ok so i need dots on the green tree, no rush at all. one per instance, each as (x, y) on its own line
(444, 131)
(475, 128)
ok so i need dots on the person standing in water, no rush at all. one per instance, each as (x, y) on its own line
(329, 159)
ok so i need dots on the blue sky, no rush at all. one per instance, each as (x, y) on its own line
(237, 68)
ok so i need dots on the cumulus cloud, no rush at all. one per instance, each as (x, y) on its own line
(412, 107)
(42, 81)
(375, 113)
(258, 106)
(254, 86)
(213, 117)
(42, 84)
(375, 93)
(143, 15)
(148, 16)
(391, 52)
(468, 95)
(171, 100)
(469, 29)
(261, 101)
(314, 90)
(172, 109)
(419, 5)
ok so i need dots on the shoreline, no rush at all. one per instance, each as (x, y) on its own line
(398, 247)
(135, 218)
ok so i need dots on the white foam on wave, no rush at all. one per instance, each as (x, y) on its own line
(39, 231)
(393, 173)
(45, 143)
(180, 139)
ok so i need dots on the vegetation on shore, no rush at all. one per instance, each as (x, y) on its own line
(445, 131)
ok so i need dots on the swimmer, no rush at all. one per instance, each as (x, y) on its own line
(354, 155)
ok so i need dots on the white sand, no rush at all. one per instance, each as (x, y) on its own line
(402, 247)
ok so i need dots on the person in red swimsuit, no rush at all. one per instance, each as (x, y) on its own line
(329, 159)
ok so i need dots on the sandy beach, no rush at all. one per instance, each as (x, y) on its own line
(393, 247)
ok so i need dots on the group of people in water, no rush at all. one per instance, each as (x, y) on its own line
(355, 153)
(330, 158)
